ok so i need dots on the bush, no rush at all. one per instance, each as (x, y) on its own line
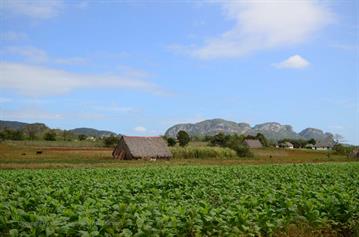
(202, 152)
(82, 137)
(183, 138)
(342, 150)
(243, 151)
(218, 140)
(171, 141)
(111, 141)
(50, 136)
(8, 134)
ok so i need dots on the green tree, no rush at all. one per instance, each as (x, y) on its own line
(342, 150)
(67, 135)
(82, 137)
(218, 140)
(111, 141)
(183, 138)
(262, 139)
(311, 141)
(171, 141)
(50, 136)
(18, 135)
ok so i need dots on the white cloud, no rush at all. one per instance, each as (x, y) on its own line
(36, 55)
(261, 25)
(12, 36)
(31, 54)
(41, 81)
(39, 9)
(294, 62)
(140, 129)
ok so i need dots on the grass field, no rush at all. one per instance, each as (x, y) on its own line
(22, 155)
(271, 200)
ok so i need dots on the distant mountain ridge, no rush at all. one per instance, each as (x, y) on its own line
(12, 125)
(272, 130)
(15, 125)
(92, 132)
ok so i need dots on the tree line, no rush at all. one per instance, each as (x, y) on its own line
(41, 133)
(236, 142)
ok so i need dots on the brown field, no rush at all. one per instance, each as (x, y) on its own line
(23, 156)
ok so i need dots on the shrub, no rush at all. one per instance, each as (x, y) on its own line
(171, 141)
(243, 151)
(111, 141)
(82, 137)
(218, 140)
(8, 134)
(202, 152)
(342, 150)
(50, 136)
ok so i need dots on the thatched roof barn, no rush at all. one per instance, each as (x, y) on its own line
(324, 145)
(130, 148)
(253, 143)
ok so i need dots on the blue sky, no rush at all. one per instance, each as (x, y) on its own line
(140, 67)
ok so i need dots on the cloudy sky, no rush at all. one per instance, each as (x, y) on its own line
(138, 67)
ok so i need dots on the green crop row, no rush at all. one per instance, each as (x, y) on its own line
(179, 201)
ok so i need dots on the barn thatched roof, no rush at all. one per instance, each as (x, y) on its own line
(253, 143)
(326, 143)
(147, 146)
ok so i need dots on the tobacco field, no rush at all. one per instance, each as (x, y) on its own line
(179, 201)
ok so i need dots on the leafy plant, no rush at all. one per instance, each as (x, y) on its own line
(179, 201)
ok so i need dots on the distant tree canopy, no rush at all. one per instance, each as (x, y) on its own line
(218, 140)
(171, 141)
(82, 137)
(111, 141)
(262, 139)
(312, 141)
(34, 131)
(50, 136)
(342, 150)
(183, 138)
(231, 140)
(9, 134)
(234, 142)
(67, 135)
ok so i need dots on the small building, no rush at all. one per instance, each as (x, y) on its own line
(253, 143)
(310, 146)
(130, 148)
(323, 145)
(286, 145)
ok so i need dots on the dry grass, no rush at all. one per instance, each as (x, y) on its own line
(25, 157)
